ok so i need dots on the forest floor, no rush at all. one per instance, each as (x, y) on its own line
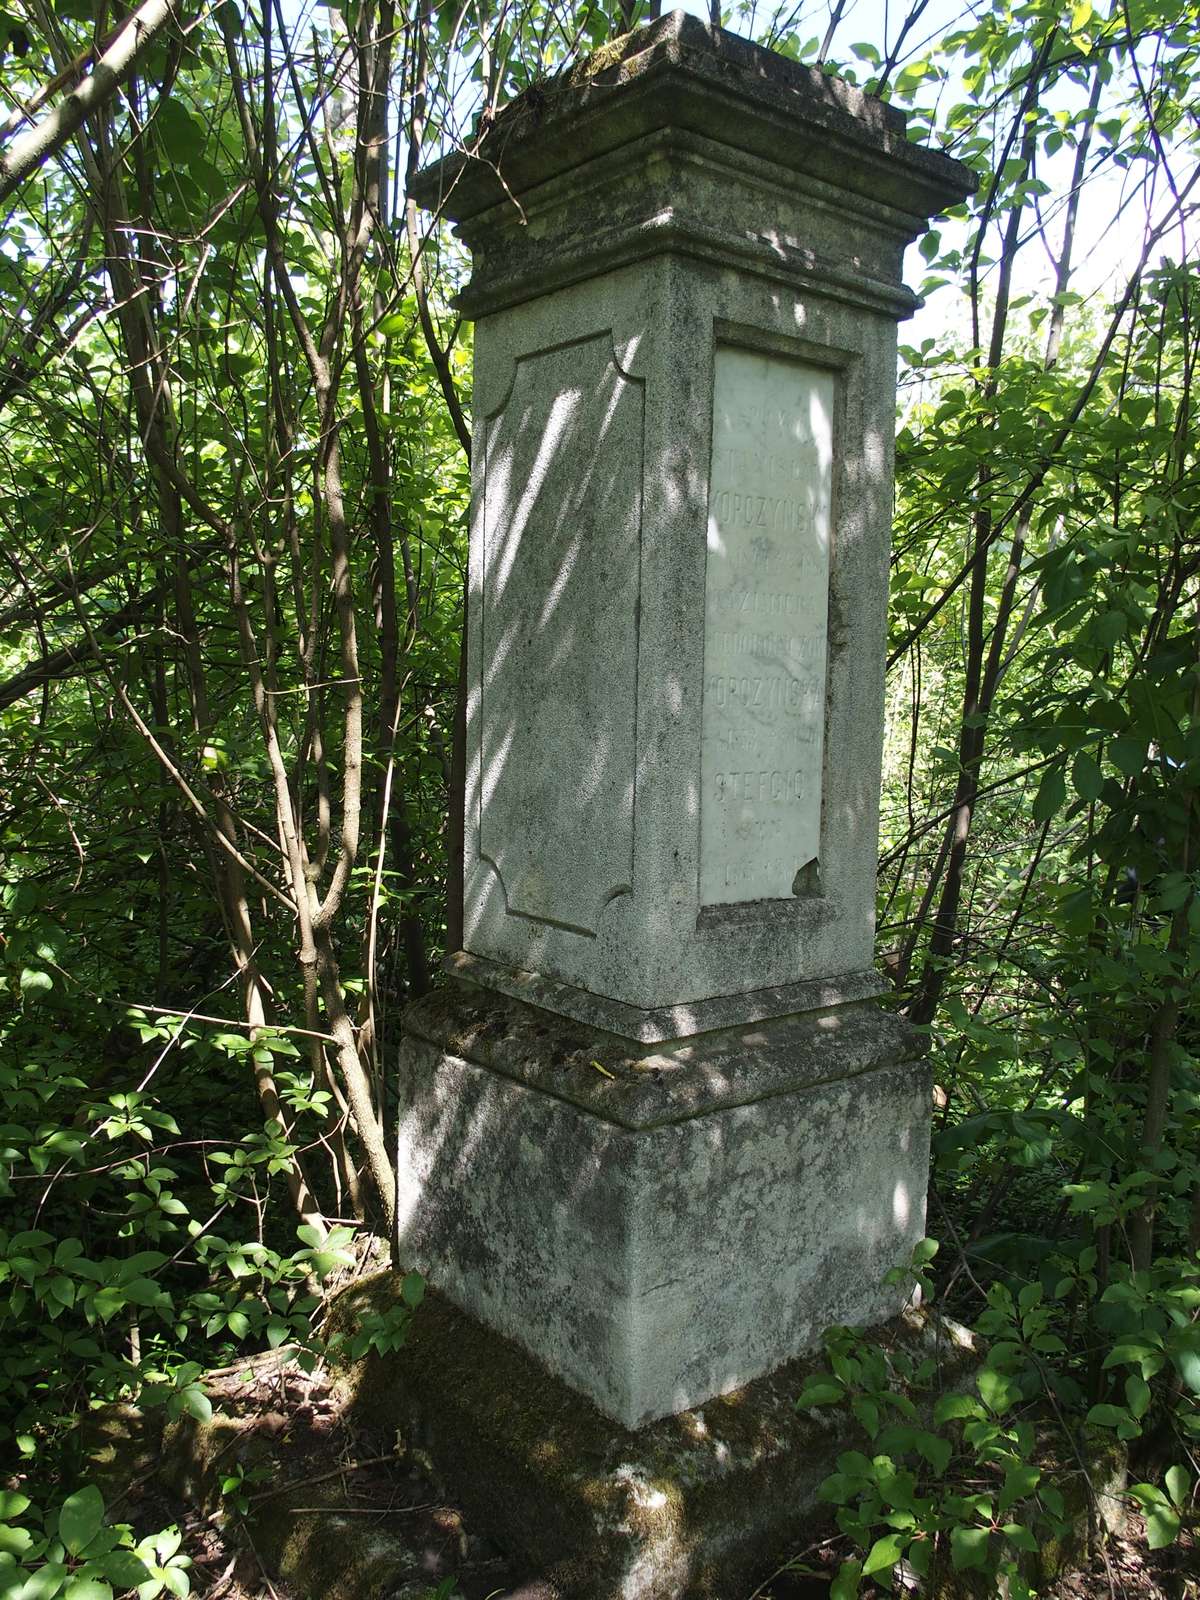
(398, 1500)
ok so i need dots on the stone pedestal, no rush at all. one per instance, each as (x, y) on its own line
(656, 1131)
(660, 1226)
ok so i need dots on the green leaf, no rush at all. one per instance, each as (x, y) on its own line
(845, 1585)
(1087, 776)
(12, 1503)
(84, 1588)
(936, 1450)
(1178, 1480)
(1019, 1535)
(999, 1391)
(1137, 1394)
(1052, 791)
(954, 1407)
(124, 1569)
(45, 1583)
(15, 1541)
(1187, 1364)
(1019, 1482)
(867, 1414)
(177, 1582)
(412, 1289)
(196, 1403)
(819, 1392)
(35, 982)
(884, 1554)
(968, 1547)
(1106, 1416)
(81, 1518)
(1162, 1527)
(1128, 752)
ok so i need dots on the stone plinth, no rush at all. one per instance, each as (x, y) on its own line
(660, 1226)
(699, 1506)
(686, 283)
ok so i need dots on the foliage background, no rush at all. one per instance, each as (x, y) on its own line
(233, 483)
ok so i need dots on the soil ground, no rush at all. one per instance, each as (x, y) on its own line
(439, 1555)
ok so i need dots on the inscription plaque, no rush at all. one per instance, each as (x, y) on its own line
(765, 625)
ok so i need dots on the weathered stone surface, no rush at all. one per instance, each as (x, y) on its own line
(766, 609)
(689, 1508)
(655, 1024)
(658, 1228)
(686, 281)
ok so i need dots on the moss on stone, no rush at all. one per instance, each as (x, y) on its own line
(694, 1503)
(120, 1445)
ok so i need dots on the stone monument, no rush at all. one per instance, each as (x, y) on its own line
(657, 1129)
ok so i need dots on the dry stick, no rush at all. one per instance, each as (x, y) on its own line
(46, 138)
(455, 840)
(375, 145)
(227, 1022)
(835, 16)
(983, 676)
(280, 431)
(1163, 1031)
(893, 56)
(152, 402)
(318, 915)
(172, 771)
(324, 1477)
(1040, 474)
(996, 662)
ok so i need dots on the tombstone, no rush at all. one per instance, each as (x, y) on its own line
(657, 1129)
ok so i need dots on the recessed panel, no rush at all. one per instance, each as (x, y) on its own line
(561, 535)
(765, 628)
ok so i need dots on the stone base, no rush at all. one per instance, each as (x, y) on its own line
(659, 1228)
(656, 1024)
(695, 1507)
